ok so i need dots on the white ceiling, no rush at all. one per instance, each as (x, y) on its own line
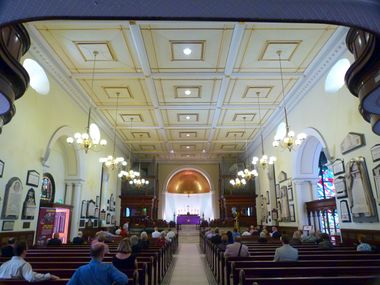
(144, 62)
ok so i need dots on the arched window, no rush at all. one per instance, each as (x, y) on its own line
(328, 217)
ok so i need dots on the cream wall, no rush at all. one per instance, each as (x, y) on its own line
(24, 140)
(166, 170)
(333, 115)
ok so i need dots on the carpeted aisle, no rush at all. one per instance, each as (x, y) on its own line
(189, 264)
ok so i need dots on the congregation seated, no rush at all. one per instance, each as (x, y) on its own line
(325, 243)
(236, 249)
(7, 251)
(162, 241)
(246, 232)
(230, 237)
(296, 239)
(263, 237)
(216, 238)
(79, 238)
(18, 268)
(96, 272)
(255, 231)
(55, 240)
(135, 246)
(363, 245)
(286, 252)
(124, 258)
(156, 233)
(143, 242)
(275, 233)
(209, 233)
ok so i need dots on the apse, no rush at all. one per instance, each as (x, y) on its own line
(188, 191)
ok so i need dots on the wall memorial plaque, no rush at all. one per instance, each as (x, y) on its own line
(351, 142)
(29, 206)
(375, 152)
(345, 212)
(338, 166)
(12, 199)
(376, 176)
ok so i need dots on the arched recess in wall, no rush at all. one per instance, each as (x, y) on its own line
(306, 171)
(170, 200)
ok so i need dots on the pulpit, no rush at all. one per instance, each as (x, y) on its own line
(188, 219)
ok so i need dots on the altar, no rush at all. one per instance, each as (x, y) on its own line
(188, 220)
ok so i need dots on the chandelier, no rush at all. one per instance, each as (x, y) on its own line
(139, 182)
(111, 160)
(290, 140)
(91, 138)
(237, 182)
(265, 159)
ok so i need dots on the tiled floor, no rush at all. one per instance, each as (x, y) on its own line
(189, 265)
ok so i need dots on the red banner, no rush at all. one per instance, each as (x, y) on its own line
(45, 227)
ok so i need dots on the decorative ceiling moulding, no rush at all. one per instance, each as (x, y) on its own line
(187, 117)
(325, 59)
(112, 91)
(143, 135)
(289, 48)
(239, 117)
(137, 118)
(177, 49)
(251, 91)
(188, 135)
(187, 91)
(42, 52)
(87, 49)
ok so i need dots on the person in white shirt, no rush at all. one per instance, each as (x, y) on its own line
(170, 234)
(156, 233)
(285, 252)
(18, 268)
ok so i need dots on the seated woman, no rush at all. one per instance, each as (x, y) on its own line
(124, 259)
(143, 242)
(135, 244)
(263, 236)
(363, 245)
(296, 240)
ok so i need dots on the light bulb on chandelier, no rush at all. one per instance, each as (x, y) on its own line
(290, 141)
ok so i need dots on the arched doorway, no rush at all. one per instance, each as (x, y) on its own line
(188, 191)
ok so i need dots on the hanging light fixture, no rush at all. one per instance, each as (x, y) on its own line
(265, 159)
(91, 138)
(111, 160)
(139, 182)
(129, 174)
(290, 140)
(247, 174)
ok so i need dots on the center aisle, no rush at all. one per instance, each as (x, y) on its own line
(189, 264)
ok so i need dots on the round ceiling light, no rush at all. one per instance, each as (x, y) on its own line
(187, 51)
(187, 117)
(187, 92)
(38, 78)
(335, 78)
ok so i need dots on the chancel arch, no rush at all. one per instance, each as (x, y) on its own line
(188, 191)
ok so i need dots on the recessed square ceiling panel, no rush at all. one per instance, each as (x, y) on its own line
(178, 117)
(187, 117)
(132, 118)
(299, 44)
(188, 135)
(141, 135)
(187, 50)
(286, 48)
(233, 134)
(243, 117)
(187, 91)
(121, 92)
(257, 91)
(174, 48)
(95, 50)
(147, 147)
(188, 147)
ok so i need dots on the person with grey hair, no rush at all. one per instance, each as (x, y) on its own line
(135, 244)
(236, 249)
(97, 272)
(79, 238)
(143, 242)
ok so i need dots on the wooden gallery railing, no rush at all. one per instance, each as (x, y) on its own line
(316, 209)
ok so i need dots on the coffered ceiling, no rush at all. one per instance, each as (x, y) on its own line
(190, 87)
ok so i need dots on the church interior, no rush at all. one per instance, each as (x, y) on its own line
(191, 125)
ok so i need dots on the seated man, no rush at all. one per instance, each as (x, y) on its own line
(18, 268)
(170, 234)
(55, 240)
(325, 243)
(7, 251)
(78, 239)
(156, 233)
(216, 239)
(275, 233)
(285, 252)
(363, 245)
(236, 249)
(97, 272)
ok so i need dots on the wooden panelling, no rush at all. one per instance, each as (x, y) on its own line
(27, 236)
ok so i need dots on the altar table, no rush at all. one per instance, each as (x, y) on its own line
(188, 219)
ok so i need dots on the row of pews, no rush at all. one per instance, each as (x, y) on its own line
(65, 259)
(340, 265)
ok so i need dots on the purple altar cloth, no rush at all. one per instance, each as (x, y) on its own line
(188, 219)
